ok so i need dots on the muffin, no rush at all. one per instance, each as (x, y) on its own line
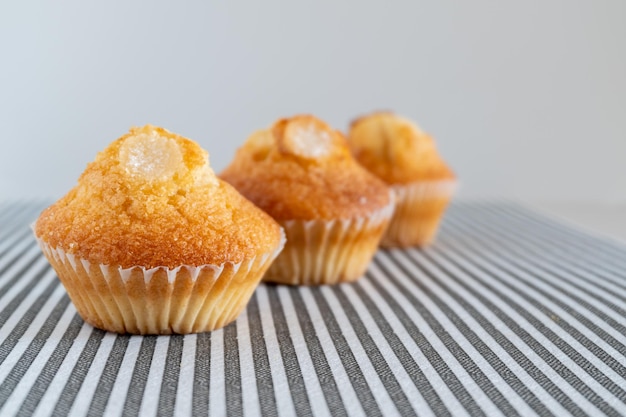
(301, 172)
(405, 157)
(150, 241)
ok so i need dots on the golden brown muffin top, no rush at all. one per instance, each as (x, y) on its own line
(151, 199)
(301, 169)
(396, 150)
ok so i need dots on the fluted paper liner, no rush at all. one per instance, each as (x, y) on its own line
(161, 300)
(419, 210)
(328, 251)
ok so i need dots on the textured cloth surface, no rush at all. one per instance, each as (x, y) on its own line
(509, 313)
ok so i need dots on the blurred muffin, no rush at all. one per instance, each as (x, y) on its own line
(301, 172)
(150, 241)
(401, 154)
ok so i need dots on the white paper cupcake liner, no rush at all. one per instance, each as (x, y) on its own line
(160, 300)
(328, 251)
(419, 209)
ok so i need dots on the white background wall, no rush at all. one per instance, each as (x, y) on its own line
(527, 99)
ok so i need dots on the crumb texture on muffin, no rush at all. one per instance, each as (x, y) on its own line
(396, 150)
(151, 199)
(301, 169)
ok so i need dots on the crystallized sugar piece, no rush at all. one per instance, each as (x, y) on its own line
(151, 157)
(308, 140)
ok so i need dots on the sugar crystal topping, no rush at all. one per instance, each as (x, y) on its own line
(150, 157)
(308, 140)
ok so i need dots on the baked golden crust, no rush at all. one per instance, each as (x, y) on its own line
(150, 199)
(396, 150)
(301, 169)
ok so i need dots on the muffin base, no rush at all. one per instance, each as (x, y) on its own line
(419, 210)
(321, 252)
(186, 299)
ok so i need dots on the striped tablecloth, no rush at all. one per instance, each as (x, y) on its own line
(509, 313)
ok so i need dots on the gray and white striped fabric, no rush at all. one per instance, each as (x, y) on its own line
(508, 314)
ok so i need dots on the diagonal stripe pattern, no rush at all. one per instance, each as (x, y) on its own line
(509, 313)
